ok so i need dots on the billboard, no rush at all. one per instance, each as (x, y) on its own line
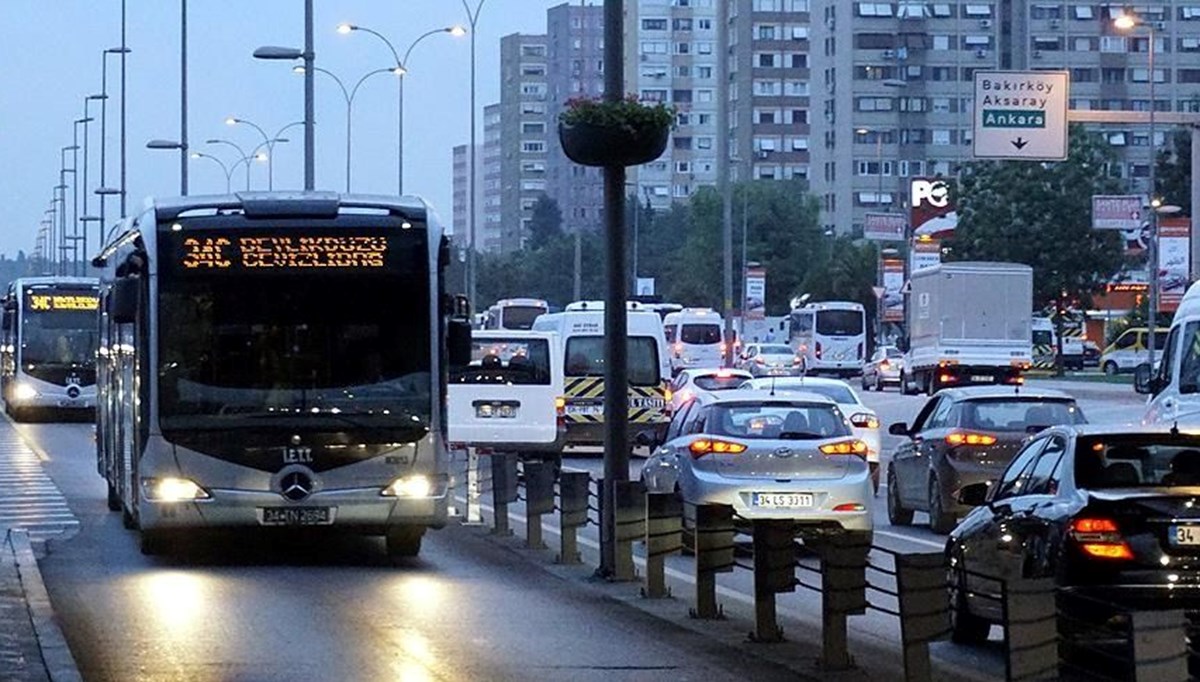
(893, 282)
(755, 305)
(925, 254)
(884, 227)
(1117, 212)
(1174, 261)
(932, 212)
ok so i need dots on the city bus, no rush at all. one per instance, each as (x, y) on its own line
(48, 351)
(830, 337)
(514, 313)
(277, 361)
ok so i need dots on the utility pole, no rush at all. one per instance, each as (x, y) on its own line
(723, 152)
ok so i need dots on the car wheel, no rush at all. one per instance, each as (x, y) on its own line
(404, 542)
(939, 521)
(1111, 369)
(897, 514)
(865, 385)
(879, 383)
(931, 385)
(965, 627)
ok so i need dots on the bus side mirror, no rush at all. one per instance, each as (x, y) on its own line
(1144, 381)
(458, 342)
(123, 300)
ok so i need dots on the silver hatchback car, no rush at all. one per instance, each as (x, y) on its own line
(786, 456)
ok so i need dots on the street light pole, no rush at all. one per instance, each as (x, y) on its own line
(348, 95)
(224, 169)
(310, 63)
(124, 53)
(472, 250)
(183, 99)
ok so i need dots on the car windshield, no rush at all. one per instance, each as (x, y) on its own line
(700, 334)
(1042, 337)
(585, 358)
(778, 421)
(1189, 364)
(514, 362)
(894, 353)
(715, 382)
(777, 349)
(839, 322)
(1018, 414)
(1137, 460)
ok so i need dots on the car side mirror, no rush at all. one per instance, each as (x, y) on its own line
(1144, 381)
(123, 300)
(899, 429)
(458, 342)
(974, 495)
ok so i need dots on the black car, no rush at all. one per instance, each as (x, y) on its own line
(964, 436)
(1105, 511)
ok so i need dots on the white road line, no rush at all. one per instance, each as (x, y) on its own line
(909, 538)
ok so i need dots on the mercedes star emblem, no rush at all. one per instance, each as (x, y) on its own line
(296, 486)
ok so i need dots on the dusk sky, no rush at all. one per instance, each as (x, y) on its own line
(51, 51)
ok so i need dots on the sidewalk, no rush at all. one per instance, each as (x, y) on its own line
(20, 655)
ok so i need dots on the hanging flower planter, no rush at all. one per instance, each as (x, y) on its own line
(623, 133)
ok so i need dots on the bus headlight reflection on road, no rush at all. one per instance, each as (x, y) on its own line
(172, 490)
(22, 391)
(175, 599)
(409, 486)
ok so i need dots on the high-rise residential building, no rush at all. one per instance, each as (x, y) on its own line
(575, 68)
(894, 84)
(524, 137)
(491, 180)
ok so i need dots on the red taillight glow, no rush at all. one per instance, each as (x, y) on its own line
(864, 421)
(1099, 537)
(850, 507)
(883, 364)
(710, 446)
(845, 447)
(968, 438)
(947, 378)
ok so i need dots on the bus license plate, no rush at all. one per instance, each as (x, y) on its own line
(296, 516)
(1184, 535)
(782, 500)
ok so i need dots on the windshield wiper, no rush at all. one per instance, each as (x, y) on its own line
(800, 435)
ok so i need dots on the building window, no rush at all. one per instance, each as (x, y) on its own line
(799, 116)
(766, 61)
(799, 61)
(533, 128)
(874, 9)
(533, 69)
(1081, 75)
(1112, 44)
(683, 24)
(654, 24)
(704, 48)
(940, 137)
(533, 147)
(655, 47)
(766, 32)
(977, 11)
(683, 167)
(704, 95)
(1188, 76)
(1084, 12)
(533, 50)
(704, 143)
(682, 142)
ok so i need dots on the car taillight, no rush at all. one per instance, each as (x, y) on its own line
(712, 446)
(850, 507)
(724, 348)
(817, 350)
(668, 394)
(845, 447)
(1015, 381)
(947, 378)
(969, 438)
(864, 420)
(678, 349)
(883, 364)
(1100, 538)
(759, 360)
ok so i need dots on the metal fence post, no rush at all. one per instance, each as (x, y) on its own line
(539, 499)
(924, 606)
(474, 516)
(629, 511)
(1031, 629)
(573, 508)
(1160, 652)
(504, 490)
(664, 524)
(774, 572)
(844, 592)
(712, 526)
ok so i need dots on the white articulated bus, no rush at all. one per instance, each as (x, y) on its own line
(277, 360)
(830, 337)
(514, 313)
(48, 351)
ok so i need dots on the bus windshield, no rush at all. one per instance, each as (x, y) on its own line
(839, 322)
(318, 350)
(520, 316)
(58, 333)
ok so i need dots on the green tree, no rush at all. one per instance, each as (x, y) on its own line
(1174, 171)
(1040, 214)
(545, 222)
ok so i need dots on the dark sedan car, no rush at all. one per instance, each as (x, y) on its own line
(964, 436)
(1104, 510)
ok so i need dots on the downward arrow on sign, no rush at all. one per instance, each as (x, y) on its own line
(1019, 143)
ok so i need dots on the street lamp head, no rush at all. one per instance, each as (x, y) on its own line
(399, 70)
(862, 131)
(196, 155)
(272, 52)
(456, 31)
(1126, 22)
(298, 69)
(102, 191)
(1156, 202)
(70, 148)
(118, 50)
(85, 119)
(261, 156)
(230, 121)
(98, 96)
(164, 144)
(346, 28)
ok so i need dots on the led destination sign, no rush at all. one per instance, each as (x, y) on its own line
(39, 302)
(275, 252)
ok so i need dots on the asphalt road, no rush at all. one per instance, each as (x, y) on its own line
(243, 609)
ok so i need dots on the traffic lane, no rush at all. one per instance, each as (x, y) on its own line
(241, 607)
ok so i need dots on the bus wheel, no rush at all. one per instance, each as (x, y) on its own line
(114, 501)
(155, 542)
(404, 542)
(127, 519)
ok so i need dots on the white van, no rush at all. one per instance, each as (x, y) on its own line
(695, 338)
(580, 330)
(510, 396)
(1174, 384)
(1045, 346)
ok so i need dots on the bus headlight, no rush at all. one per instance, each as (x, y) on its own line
(172, 490)
(23, 391)
(409, 486)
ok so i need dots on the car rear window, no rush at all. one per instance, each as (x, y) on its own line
(776, 350)
(498, 360)
(1137, 460)
(700, 334)
(713, 382)
(1018, 414)
(778, 420)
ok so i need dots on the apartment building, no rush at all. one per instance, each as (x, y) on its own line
(524, 139)
(492, 190)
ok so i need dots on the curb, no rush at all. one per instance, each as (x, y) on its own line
(56, 655)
